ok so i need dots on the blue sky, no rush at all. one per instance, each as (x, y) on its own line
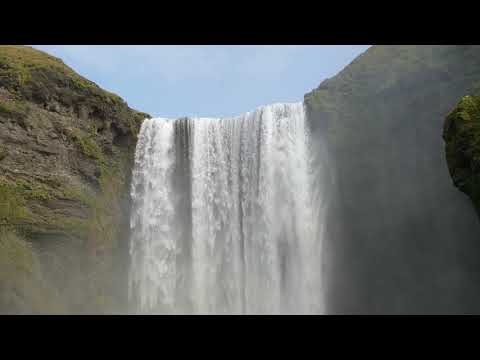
(199, 80)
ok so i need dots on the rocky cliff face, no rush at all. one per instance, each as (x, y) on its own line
(66, 150)
(402, 239)
(462, 146)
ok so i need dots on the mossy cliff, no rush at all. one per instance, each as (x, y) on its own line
(462, 146)
(66, 151)
(400, 237)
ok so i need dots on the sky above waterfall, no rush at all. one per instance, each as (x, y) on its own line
(209, 81)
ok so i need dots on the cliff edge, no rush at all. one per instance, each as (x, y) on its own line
(66, 151)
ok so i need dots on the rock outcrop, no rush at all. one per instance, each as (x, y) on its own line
(462, 146)
(66, 151)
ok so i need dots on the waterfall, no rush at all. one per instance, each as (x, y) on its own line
(225, 217)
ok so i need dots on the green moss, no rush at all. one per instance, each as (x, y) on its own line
(39, 194)
(462, 137)
(17, 199)
(28, 189)
(12, 205)
(35, 76)
(86, 143)
(92, 130)
(21, 64)
(90, 148)
(14, 108)
(30, 75)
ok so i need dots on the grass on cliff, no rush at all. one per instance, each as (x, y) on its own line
(20, 65)
(12, 205)
(30, 76)
(15, 108)
(31, 80)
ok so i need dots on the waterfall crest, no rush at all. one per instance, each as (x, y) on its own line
(225, 218)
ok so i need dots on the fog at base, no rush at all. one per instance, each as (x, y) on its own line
(227, 215)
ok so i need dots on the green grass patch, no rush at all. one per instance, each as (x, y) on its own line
(14, 108)
(12, 205)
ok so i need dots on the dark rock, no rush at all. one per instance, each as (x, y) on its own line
(462, 146)
(401, 239)
(3, 153)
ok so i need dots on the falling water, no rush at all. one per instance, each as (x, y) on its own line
(225, 219)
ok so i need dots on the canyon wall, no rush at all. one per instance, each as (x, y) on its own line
(402, 238)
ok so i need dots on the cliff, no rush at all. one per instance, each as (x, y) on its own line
(66, 151)
(400, 237)
(462, 146)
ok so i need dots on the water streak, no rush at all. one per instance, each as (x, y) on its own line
(225, 218)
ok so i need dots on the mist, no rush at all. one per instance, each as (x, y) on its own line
(401, 238)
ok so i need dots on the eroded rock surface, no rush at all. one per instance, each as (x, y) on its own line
(66, 150)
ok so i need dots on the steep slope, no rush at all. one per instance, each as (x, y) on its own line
(66, 150)
(402, 238)
(462, 139)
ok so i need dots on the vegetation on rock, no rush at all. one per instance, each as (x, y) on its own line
(66, 151)
(462, 146)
